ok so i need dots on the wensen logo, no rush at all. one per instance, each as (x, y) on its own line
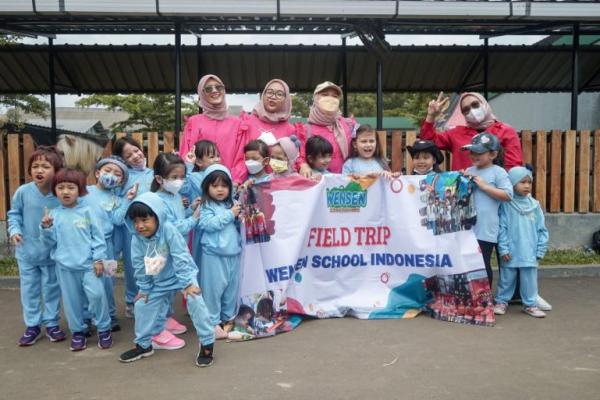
(349, 198)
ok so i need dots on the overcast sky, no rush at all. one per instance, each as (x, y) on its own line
(247, 101)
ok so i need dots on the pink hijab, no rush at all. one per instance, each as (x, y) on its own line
(319, 117)
(278, 116)
(489, 119)
(219, 111)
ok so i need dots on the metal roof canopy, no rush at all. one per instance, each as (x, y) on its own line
(370, 20)
(302, 17)
(149, 68)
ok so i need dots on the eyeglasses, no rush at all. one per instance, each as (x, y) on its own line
(475, 104)
(210, 88)
(278, 94)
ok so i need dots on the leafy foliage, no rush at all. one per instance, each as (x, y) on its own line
(147, 112)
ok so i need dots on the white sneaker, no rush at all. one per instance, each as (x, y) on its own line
(534, 311)
(543, 304)
(129, 311)
(500, 309)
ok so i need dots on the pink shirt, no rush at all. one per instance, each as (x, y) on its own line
(257, 127)
(226, 134)
(337, 159)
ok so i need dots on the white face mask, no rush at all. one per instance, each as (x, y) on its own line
(329, 104)
(154, 264)
(172, 185)
(254, 167)
(475, 115)
(268, 138)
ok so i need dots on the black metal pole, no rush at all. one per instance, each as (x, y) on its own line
(575, 76)
(344, 77)
(52, 89)
(379, 95)
(486, 61)
(199, 63)
(177, 82)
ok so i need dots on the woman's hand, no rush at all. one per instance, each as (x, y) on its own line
(435, 107)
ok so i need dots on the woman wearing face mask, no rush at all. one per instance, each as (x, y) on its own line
(215, 125)
(325, 120)
(269, 119)
(478, 118)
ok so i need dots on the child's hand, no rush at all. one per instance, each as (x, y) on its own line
(191, 290)
(396, 174)
(479, 181)
(236, 209)
(47, 220)
(196, 203)
(190, 157)
(185, 201)
(16, 239)
(132, 192)
(246, 184)
(98, 268)
(140, 296)
(196, 213)
(305, 170)
(506, 257)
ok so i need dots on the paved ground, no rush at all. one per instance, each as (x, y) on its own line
(521, 358)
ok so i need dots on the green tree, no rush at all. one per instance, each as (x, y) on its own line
(16, 105)
(147, 112)
(410, 105)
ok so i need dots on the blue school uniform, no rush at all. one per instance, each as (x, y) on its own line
(76, 241)
(37, 272)
(109, 211)
(122, 235)
(524, 236)
(178, 273)
(357, 165)
(220, 258)
(192, 188)
(486, 228)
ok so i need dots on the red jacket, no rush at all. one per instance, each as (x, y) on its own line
(453, 139)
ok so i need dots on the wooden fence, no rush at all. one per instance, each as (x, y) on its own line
(566, 163)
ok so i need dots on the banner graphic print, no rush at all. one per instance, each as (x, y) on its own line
(370, 248)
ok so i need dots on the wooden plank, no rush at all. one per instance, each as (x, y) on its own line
(555, 170)
(139, 137)
(527, 147)
(411, 138)
(119, 135)
(152, 147)
(28, 148)
(568, 174)
(4, 202)
(14, 162)
(596, 188)
(540, 163)
(583, 167)
(397, 153)
(107, 151)
(382, 138)
(169, 142)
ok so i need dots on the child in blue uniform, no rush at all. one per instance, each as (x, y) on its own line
(37, 272)
(163, 264)
(256, 154)
(169, 174)
(366, 159)
(221, 248)
(492, 188)
(78, 248)
(141, 177)
(426, 157)
(109, 207)
(522, 241)
(318, 154)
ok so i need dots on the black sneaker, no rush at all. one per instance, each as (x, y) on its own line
(136, 354)
(114, 325)
(205, 356)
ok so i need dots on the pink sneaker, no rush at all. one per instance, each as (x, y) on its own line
(175, 327)
(167, 341)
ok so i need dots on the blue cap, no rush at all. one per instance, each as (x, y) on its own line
(482, 143)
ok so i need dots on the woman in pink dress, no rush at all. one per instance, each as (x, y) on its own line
(269, 120)
(215, 125)
(326, 120)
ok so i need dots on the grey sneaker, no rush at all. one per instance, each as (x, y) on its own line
(543, 304)
(534, 311)
(129, 311)
(500, 308)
